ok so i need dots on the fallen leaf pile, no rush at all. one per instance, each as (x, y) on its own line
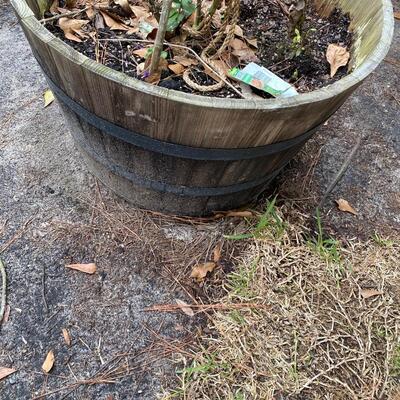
(135, 18)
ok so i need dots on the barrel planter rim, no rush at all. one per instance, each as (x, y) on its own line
(367, 66)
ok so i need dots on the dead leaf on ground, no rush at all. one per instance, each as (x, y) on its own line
(72, 28)
(367, 293)
(337, 57)
(67, 337)
(147, 27)
(217, 253)
(185, 61)
(156, 76)
(140, 12)
(98, 22)
(86, 268)
(4, 372)
(140, 68)
(142, 53)
(54, 7)
(91, 13)
(397, 15)
(199, 272)
(252, 42)
(241, 50)
(238, 30)
(240, 214)
(177, 69)
(345, 206)
(185, 307)
(48, 97)
(112, 23)
(48, 362)
(220, 67)
(6, 316)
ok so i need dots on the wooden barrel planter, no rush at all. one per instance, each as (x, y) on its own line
(186, 154)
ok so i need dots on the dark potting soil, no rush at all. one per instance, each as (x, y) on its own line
(261, 19)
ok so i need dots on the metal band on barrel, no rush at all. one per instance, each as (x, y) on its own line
(172, 149)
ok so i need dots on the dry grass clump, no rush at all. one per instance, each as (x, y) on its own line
(331, 329)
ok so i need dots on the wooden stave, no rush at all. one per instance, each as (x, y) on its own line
(219, 123)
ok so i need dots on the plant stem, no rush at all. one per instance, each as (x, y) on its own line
(179, 47)
(197, 15)
(67, 14)
(158, 44)
(214, 6)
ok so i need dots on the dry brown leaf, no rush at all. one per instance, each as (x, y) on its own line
(185, 307)
(6, 316)
(240, 214)
(252, 42)
(67, 337)
(4, 372)
(367, 293)
(238, 30)
(242, 50)
(72, 27)
(140, 68)
(141, 52)
(91, 13)
(345, 206)
(124, 4)
(185, 61)
(177, 69)
(112, 23)
(156, 76)
(397, 15)
(48, 362)
(140, 12)
(337, 57)
(199, 272)
(217, 253)
(86, 268)
(98, 22)
(54, 7)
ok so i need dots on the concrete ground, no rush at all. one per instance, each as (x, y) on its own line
(52, 213)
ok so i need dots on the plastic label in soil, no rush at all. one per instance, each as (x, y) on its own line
(264, 79)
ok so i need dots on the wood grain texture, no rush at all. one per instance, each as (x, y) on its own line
(207, 122)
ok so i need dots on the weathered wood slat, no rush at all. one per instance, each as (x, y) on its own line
(182, 184)
(209, 122)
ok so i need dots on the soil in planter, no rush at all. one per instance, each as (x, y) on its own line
(262, 20)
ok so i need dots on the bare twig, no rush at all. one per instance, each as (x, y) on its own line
(341, 172)
(205, 307)
(185, 48)
(3, 289)
(16, 236)
(67, 14)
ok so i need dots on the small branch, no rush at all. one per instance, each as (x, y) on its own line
(197, 15)
(186, 48)
(341, 172)
(67, 14)
(158, 44)
(3, 290)
(205, 307)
